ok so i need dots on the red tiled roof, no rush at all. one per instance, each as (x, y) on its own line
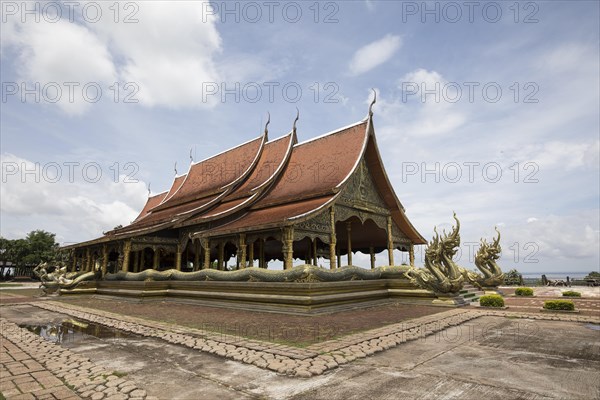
(275, 216)
(215, 173)
(271, 159)
(316, 167)
(152, 202)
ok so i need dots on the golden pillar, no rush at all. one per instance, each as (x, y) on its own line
(88, 260)
(73, 261)
(196, 255)
(372, 251)
(104, 259)
(411, 255)
(126, 251)
(242, 246)
(178, 258)
(156, 259)
(261, 253)
(288, 247)
(221, 256)
(206, 245)
(251, 255)
(349, 230)
(390, 241)
(332, 240)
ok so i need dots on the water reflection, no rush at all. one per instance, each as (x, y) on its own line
(71, 330)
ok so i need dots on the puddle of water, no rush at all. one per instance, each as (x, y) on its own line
(593, 327)
(71, 330)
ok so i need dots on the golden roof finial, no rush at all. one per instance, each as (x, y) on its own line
(296, 120)
(373, 102)
(267, 124)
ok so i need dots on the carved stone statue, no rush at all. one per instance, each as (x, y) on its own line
(51, 282)
(485, 260)
(441, 274)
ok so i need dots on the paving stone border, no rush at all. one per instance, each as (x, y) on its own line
(300, 362)
(34, 368)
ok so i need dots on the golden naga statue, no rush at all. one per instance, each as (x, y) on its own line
(441, 274)
(485, 260)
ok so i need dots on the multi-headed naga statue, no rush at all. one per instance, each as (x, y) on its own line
(59, 278)
(441, 274)
(485, 260)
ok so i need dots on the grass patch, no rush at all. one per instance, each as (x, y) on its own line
(119, 374)
(10, 285)
(571, 293)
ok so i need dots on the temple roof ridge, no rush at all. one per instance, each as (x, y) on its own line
(330, 133)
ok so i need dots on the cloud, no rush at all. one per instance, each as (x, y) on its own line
(167, 56)
(53, 55)
(73, 205)
(562, 154)
(374, 54)
(168, 53)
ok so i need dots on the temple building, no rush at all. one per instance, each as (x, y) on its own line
(265, 200)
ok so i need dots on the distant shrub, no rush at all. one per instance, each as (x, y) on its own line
(571, 293)
(513, 277)
(567, 305)
(524, 291)
(491, 300)
(593, 275)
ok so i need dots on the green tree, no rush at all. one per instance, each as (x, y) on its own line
(41, 246)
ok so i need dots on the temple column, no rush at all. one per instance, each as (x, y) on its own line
(104, 259)
(136, 261)
(372, 251)
(251, 255)
(411, 255)
(261, 253)
(156, 259)
(206, 245)
(332, 240)
(288, 247)
(339, 258)
(73, 261)
(196, 255)
(242, 250)
(349, 230)
(221, 256)
(88, 260)
(178, 258)
(126, 251)
(314, 252)
(390, 241)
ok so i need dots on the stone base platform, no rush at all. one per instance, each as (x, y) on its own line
(284, 297)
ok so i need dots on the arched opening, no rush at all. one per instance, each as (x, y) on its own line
(354, 237)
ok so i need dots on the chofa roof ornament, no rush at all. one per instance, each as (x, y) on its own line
(267, 124)
(296, 120)
(373, 102)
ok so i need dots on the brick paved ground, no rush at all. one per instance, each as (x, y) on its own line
(33, 368)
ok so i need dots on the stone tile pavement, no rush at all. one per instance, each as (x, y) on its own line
(34, 368)
(298, 362)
